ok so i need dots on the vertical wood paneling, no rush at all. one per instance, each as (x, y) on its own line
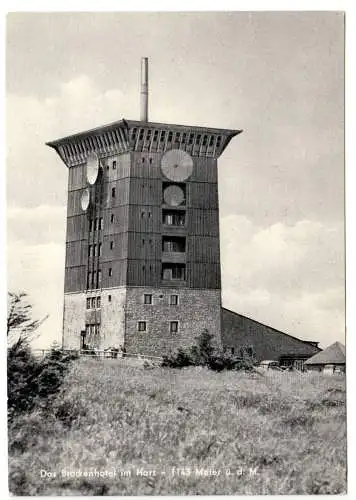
(145, 191)
(205, 170)
(203, 249)
(76, 227)
(145, 246)
(202, 195)
(203, 275)
(118, 273)
(76, 177)
(75, 279)
(119, 250)
(144, 218)
(203, 222)
(143, 272)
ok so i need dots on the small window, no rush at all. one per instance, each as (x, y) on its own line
(141, 326)
(101, 223)
(94, 250)
(110, 271)
(142, 131)
(142, 215)
(155, 135)
(114, 165)
(88, 303)
(163, 135)
(93, 302)
(99, 249)
(89, 280)
(174, 326)
(113, 192)
(232, 350)
(109, 298)
(205, 140)
(173, 300)
(111, 245)
(98, 279)
(147, 298)
(150, 161)
(143, 159)
(95, 224)
(211, 140)
(112, 218)
(98, 302)
(149, 215)
(91, 224)
(90, 250)
(170, 136)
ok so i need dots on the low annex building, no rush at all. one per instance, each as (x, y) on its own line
(330, 360)
(240, 332)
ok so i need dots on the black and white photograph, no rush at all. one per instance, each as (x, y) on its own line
(175, 207)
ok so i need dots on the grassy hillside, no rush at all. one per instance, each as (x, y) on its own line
(161, 431)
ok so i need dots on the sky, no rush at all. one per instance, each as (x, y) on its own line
(279, 76)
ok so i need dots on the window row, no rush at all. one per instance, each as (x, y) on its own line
(173, 299)
(94, 250)
(161, 136)
(169, 218)
(169, 272)
(94, 279)
(93, 302)
(173, 326)
(96, 224)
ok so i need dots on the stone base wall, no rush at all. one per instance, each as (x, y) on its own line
(112, 330)
(73, 319)
(196, 311)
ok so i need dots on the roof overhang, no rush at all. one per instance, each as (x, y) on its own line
(130, 135)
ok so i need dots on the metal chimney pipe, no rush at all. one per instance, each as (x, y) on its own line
(144, 89)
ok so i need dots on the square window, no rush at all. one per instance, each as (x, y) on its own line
(147, 298)
(141, 326)
(174, 326)
(173, 300)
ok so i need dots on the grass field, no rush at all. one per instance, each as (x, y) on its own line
(136, 431)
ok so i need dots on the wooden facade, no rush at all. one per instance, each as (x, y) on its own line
(133, 233)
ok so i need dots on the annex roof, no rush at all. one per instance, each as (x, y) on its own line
(333, 354)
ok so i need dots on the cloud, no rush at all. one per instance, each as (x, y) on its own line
(39, 271)
(290, 277)
(39, 225)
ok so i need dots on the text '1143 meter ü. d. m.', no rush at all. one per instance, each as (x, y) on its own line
(142, 264)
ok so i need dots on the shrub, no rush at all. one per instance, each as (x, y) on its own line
(203, 353)
(31, 382)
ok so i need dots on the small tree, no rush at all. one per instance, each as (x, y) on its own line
(20, 324)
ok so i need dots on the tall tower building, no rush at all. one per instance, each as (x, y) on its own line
(142, 267)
